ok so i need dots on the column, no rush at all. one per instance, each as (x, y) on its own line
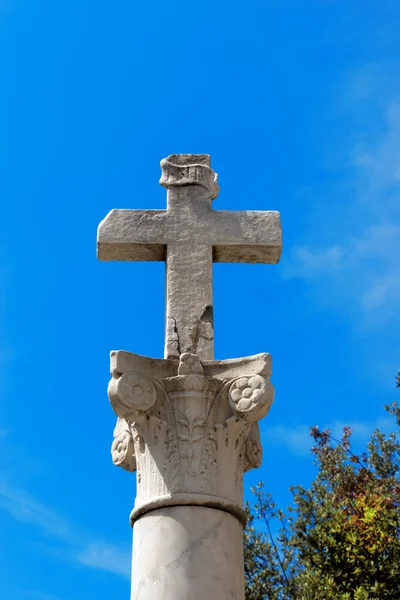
(190, 431)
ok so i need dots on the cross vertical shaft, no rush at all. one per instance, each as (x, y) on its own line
(189, 309)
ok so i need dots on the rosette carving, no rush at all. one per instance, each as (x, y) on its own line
(131, 395)
(251, 397)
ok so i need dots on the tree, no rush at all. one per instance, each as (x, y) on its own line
(340, 540)
(270, 564)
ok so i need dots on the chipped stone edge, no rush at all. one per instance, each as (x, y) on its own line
(128, 362)
(190, 171)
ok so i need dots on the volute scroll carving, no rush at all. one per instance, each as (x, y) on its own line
(131, 395)
(123, 448)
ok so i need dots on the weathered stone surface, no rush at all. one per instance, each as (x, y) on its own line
(187, 553)
(189, 236)
(189, 169)
(127, 362)
(190, 430)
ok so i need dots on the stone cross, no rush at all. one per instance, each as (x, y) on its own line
(189, 236)
(188, 424)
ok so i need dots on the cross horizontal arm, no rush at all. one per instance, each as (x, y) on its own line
(246, 236)
(132, 235)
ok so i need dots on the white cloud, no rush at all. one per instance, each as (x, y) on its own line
(379, 162)
(364, 276)
(361, 274)
(308, 263)
(298, 441)
(82, 548)
(103, 556)
(26, 509)
(362, 430)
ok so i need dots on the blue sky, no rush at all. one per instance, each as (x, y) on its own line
(298, 104)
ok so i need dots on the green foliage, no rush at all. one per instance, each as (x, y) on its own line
(340, 540)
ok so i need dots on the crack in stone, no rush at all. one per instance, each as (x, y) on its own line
(177, 336)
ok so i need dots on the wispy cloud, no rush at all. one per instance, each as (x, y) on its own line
(26, 509)
(103, 556)
(361, 274)
(73, 543)
(308, 263)
(379, 160)
(298, 441)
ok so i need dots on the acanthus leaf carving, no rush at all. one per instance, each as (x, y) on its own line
(253, 451)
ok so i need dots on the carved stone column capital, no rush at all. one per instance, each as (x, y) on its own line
(189, 428)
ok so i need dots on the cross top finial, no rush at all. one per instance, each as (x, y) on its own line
(189, 169)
